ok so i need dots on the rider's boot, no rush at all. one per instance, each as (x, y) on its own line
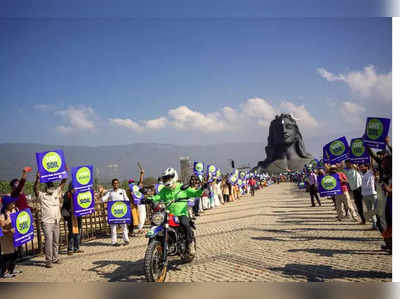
(192, 250)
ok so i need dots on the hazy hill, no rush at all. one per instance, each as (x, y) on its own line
(153, 157)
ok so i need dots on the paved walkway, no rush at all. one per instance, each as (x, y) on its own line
(275, 236)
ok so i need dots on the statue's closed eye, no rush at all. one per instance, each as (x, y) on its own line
(289, 126)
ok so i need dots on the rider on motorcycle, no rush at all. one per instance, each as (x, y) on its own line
(172, 191)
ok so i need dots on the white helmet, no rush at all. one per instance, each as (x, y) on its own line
(169, 177)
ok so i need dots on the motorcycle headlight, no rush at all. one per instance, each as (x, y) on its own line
(157, 218)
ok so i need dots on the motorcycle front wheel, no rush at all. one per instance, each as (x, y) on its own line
(154, 269)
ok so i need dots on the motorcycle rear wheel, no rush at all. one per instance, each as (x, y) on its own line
(153, 265)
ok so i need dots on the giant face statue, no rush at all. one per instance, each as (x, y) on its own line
(284, 137)
(286, 131)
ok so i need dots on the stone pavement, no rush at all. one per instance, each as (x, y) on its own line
(274, 236)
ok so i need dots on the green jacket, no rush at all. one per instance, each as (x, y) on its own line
(178, 208)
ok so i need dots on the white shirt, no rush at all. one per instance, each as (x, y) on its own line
(354, 178)
(50, 206)
(118, 195)
(368, 184)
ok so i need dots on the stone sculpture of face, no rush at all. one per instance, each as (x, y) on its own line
(285, 131)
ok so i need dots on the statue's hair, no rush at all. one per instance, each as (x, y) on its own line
(272, 143)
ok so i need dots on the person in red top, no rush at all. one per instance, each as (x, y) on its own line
(252, 184)
(17, 187)
(343, 198)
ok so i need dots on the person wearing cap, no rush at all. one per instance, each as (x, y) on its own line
(9, 253)
(343, 198)
(50, 217)
(355, 181)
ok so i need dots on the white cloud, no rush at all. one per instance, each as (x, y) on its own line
(258, 108)
(253, 112)
(157, 123)
(365, 83)
(300, 113)
(353, 113)
(77, 118)
(126, 123)
(185, 119)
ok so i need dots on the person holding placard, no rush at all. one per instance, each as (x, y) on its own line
(50, 210)
(344, 198)
(17, 187)
(74, 223)
(116, 194)
(9, 253)
(368, 191)
(355, 181)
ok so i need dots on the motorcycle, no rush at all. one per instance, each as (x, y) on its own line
(166, 238)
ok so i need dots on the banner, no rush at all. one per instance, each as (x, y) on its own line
(51, 166)
(329, 185)
(198, 168)
(23, 224)
(358, 152)
(240, 182)
(376, 130)
(136, 194)
(83, 201)
(211, 169)
(219, 174)
(232, 179)
(158, 188)
(325, 155)
(82, 177)
(338, 150)
(314, 163)
(118, 212)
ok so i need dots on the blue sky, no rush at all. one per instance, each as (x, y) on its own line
(95, 81)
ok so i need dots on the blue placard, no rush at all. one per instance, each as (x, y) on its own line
(329, 185)
(82, 176)
(51, 166)
(158, 188)
(1, 232)
(358, 152)
(233, 179)
(325, 155)
(22, 222)
(118, 212)
(337, 150)
(376, 130)
(198, 168)
(83, 201)
(211, 169)
(136, 194)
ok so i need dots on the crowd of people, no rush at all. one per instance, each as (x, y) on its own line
(56, 205)
(366, 191)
